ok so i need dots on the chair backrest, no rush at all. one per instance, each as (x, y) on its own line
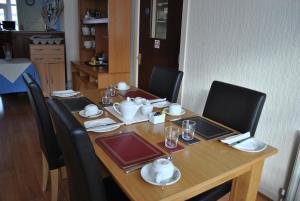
(234, 106)
(47, 138)
(165, 82)
(83, 167)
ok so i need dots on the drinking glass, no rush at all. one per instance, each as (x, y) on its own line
(171, 137)
(112, 90)
(106, 99)
(188, 129)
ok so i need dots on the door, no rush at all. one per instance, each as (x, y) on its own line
(160, 28)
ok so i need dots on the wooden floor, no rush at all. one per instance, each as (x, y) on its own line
(20, 156)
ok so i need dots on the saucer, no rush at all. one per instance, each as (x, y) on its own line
(81, 113)
(251, 145)
(181, 113)
(145, 173)
(127, 87)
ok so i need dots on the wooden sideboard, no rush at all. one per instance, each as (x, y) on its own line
(49, 61)
(19, 41)
(87, 77)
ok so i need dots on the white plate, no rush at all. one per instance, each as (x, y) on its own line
(102, 129)
(81, 113)
(145, 173)
(181, 113)
(127, 87)
(251, 145)
(162, 104)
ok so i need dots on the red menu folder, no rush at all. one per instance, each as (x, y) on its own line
(139, 93)
(128, 149)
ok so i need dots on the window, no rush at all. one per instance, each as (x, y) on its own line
(8, 11)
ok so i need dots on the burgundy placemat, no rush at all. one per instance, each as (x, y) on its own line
(128, 149)
(138, 93)
(178, 148)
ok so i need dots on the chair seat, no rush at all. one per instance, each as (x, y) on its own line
(214, 194)
(58, 163)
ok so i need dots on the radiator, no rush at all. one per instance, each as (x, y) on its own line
(293, 193)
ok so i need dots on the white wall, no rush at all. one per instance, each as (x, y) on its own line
(71, 28)
(30, 16)
(252, 43)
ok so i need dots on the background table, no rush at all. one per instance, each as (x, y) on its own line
(7, 86)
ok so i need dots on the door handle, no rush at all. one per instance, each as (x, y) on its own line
(140, 59)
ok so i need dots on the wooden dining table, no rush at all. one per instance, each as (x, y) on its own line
(203, 165)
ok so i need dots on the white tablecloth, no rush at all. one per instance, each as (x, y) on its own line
(11, 70)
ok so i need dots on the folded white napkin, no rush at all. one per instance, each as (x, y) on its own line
(157, 100)
(98, 122)
(236, 138)
(104, 128)
(64, 91)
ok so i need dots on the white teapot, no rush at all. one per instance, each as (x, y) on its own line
(127, 108)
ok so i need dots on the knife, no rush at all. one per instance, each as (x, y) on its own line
(240, 141)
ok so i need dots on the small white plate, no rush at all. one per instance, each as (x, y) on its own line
(105, 128)
(251, 145)
(162, 104)
(145, 173)
(181, 113)
(127, 87)
(81, 113)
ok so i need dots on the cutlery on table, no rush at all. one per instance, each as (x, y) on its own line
(239, 141)
(157, 100)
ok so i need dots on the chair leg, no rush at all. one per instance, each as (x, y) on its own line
(45, 172)
(54, 184)
(63, 172)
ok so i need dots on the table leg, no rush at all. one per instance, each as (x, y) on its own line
(245, 186)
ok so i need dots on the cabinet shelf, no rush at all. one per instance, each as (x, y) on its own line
(95, 21)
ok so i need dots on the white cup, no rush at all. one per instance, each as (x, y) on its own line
(93, 44)
(174, 109)
(162, 169)
(85, 30)
(91, 110)
(88, 44)
(122, 85)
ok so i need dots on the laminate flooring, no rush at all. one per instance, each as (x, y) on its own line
(20, 155)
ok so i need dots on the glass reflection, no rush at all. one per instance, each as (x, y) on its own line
(159, 19)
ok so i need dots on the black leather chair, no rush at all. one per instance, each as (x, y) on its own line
(236, 107)
(165, 83)
(52, 158)
(83, 167)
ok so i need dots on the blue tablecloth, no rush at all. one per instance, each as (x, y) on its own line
(19, 85)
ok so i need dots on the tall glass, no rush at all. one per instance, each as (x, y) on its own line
(188, 129)
(171, 137)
